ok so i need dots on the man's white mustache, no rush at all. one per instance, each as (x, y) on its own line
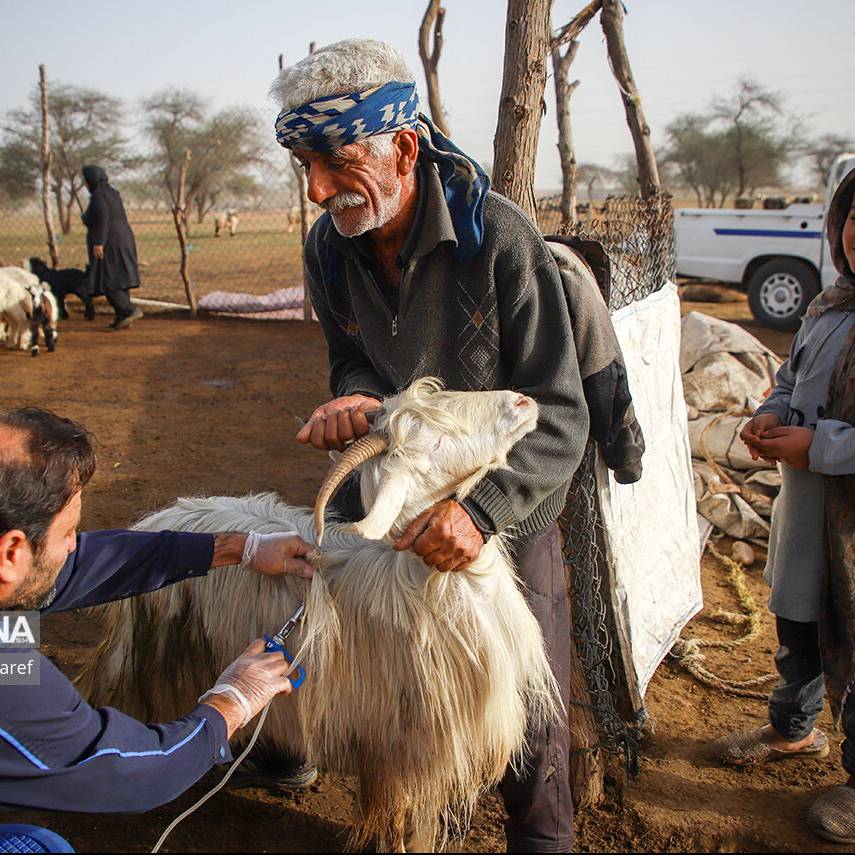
(343, 201)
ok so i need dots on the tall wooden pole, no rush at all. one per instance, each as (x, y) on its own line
(302, 189)
(564, 89)
(434, 17)
(561, 63)
(179, 214)
(521, 105)
(46, 164)
(611, 20)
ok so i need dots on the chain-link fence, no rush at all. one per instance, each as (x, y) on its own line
(241, 198)
(638, 236)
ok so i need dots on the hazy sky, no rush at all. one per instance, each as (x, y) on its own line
(682, 53)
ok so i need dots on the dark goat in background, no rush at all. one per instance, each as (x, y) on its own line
(67, 280)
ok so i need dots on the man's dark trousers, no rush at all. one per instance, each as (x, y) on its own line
(539, 804)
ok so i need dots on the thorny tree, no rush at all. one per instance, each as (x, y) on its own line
(224, 149)
(84, 128)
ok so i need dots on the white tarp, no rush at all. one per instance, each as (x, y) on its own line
(651, 526)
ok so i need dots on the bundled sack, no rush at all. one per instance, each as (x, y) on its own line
(739, 506)
(723, 366)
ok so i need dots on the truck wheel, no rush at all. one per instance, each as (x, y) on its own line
(779, 292)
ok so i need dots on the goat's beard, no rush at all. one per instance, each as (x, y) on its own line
(352, 215)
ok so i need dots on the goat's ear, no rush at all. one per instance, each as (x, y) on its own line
(390, 499)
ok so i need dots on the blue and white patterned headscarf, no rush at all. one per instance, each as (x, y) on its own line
(338, 120)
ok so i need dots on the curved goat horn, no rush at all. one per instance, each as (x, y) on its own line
(365, 448)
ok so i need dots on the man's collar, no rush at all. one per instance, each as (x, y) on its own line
(426, 232)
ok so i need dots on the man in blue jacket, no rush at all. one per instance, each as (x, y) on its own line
(57, 752)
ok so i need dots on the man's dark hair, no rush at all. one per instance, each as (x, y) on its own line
(57, 461)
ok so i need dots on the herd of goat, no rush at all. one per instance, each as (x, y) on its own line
(32, 302)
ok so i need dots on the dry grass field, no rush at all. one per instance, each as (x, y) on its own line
(259, 258)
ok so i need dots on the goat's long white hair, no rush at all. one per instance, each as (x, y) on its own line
(421, 684)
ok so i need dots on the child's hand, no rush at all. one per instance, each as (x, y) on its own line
(755, 429)
(790, 444)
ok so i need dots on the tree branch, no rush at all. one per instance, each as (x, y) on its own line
(571, 30)
(434, 17)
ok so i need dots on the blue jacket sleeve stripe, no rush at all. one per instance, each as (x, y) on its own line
(27, 753)
(159, 753)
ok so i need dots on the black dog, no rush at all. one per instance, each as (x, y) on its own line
(68, 280)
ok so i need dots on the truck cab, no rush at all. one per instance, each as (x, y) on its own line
(780, 257)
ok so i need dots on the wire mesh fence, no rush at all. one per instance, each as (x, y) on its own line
(241, 198)
(638, 236)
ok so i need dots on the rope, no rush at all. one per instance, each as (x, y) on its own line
(687, 651)
(232, 769)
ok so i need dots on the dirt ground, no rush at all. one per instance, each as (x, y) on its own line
(189, 407)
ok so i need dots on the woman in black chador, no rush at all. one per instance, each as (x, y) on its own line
(112, 251)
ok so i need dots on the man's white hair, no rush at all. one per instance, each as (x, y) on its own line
(352, 65)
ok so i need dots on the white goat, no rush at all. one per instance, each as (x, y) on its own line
(226, 220)
(421, 684)
(43, 311)
(15, 303)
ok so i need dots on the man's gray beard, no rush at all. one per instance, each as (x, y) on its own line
(390, 205)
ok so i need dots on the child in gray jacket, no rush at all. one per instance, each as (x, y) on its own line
(793, 426)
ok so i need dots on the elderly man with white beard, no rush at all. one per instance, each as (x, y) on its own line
(417, 269)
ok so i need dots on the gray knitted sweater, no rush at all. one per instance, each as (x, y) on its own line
(497, 321)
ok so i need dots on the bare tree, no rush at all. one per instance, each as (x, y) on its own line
(303, 191)
(46, 163)
(85, 127)
(591, 174)
(434, 17)
(822, 152)
(611, 20)
(179, 215)
(521, 105)
(223, 146)
(749, 115)
(564, 89)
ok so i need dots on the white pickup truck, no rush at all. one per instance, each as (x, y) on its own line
(780, 257)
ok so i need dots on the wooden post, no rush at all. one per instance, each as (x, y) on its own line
(564, 89)
(179, 214)
(302, 189)
(434, 16)
(611, 20)
(46, 164)
(521, 105)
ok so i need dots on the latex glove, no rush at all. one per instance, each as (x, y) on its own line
(253, 679)
(280, 552)
(444, 537)
(338, 421)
